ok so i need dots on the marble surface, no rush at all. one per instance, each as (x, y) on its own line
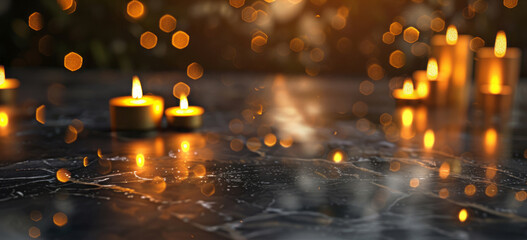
(230, 180)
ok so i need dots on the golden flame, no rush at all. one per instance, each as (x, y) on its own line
(500, 46)
(137, 91)
(185, 146)
(408, 87)
(429, 139)
(432, 69)
(407, 117)
(451, 35)
(337, 157)
(4, 119)
(140, 160)
(423, 89)
(2, 75)
(463, 215)
(183, 102)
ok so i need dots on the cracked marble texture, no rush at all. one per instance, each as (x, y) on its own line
(278, 157)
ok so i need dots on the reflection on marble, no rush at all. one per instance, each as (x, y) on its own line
(279, 157)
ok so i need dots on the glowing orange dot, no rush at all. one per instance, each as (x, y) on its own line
(148, 40)
(258, 42)
(476, 43)
(35, 215)
(443, 193)
(167, 23)
(60, 219)
(414, 182)
(65, 4)
(388, 38)
(286, 142)
(73, 61)
(85, 162)
(395, 166)
(34, 232)
(135, 9)
(237, 3)
(194, 71)
(71, 135)
(35, 21)
(411, 35)
(397, 59)
(236, 145)
(180, 39)
(444, 170)
(270, 140)
(253, 144)
(510, 3)
(316, 55)
(396, 28)
(63, 175)
(366, 87)
(375, 72)
(491, 190)
(521, 196)
(437, 24)
(181, 89)
(463, 215)
(208, 189)
(296, 45)
(199, 170)
(470, 190)
(249, 14)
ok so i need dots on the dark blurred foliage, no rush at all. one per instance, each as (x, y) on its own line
(220, 40)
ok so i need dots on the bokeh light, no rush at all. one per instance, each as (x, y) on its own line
(73, 61)
(35, 21)
(135, 9)
(180, 39)
(148, 40)
(167, 23)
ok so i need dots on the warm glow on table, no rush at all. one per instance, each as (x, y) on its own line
(184, 110)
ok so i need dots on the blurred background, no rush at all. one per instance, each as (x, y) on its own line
(377, 38)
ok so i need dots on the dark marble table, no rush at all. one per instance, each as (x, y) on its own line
(232, 179)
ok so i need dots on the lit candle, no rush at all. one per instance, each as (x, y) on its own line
(8, 88)
(407, 94)
(455, 67)
(428, 84)
(497, 73)
(184, 117)
(136, 112)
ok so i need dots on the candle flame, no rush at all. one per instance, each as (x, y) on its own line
(423, 89)
(408, 87)
(183, 102)
(432, 69)
(463, 215)
(500, 46)
(137, 91)
(451, 35)
(140, 160)
(429, 139)
(2, 75)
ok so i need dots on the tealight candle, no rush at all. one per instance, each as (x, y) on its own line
(136, 112)
(497, 73)
(455, 66)
(184, 117)
(407, 93)
(8, 88)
